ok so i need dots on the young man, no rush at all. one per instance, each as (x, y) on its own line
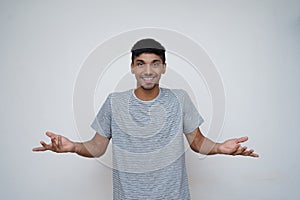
(147, 127)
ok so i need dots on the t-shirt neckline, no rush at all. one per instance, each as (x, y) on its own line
(150, 101)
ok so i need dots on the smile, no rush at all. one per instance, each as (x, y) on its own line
(148, 79)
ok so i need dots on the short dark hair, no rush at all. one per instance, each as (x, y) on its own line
(148, 45)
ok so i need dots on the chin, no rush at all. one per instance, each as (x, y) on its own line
(150, 87)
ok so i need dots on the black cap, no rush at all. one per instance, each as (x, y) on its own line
(147, 43)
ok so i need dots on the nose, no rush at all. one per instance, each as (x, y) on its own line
(148, 69)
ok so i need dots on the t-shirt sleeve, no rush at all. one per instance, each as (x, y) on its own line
(191, 117)
(102, 122)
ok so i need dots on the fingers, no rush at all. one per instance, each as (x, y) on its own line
(240, 150)
(44, 144)
(251, 153)
(39, 149)
(55, 145)
(243, 152)
(254, 155)
(247, 153)
(44, 147)
(50, 134)
(242, 139)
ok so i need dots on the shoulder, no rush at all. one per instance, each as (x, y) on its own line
(180, 94)
(120, 95)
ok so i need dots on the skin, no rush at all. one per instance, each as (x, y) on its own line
(147, 78)
(147, 89)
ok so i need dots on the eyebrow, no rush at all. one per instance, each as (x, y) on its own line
(153, 61)
(142, 61)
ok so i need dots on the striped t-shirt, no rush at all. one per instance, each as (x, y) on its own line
(147, 143)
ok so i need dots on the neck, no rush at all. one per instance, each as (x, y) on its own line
(147, 95)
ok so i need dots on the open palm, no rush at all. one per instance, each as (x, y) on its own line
(233, 147)
(58, 144)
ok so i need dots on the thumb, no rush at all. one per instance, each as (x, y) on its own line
(242, 139)
(50, 134)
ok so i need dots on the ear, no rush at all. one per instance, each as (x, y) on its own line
(164, 68)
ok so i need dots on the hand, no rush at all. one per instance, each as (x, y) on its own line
(233, 147)
(59, 144)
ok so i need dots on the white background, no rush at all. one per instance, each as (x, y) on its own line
(254, 45)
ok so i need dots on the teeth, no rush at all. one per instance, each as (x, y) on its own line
(147, 79)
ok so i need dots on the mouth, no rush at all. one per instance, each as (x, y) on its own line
(148, 79)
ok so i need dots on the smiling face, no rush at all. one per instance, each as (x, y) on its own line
(148, 68)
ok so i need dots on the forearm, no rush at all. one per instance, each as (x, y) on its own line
(201, 144)
(89, 149)
(208, 147)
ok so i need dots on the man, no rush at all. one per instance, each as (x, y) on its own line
(147, 127)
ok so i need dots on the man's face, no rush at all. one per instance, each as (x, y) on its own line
(148, 68)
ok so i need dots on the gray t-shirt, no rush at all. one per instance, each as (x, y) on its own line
(147, 143)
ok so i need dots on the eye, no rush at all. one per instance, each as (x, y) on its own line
(140, 65)
(155, 65)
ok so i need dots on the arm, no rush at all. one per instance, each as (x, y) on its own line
(203, 145)
(95, 147)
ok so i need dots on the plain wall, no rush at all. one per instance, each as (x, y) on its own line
(253, 44)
